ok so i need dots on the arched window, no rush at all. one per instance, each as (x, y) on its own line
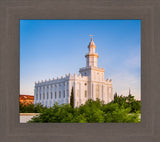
(77, 92)
(64, 94)
(47, 95)
(85, 93)
(40, 96)
(37, 96)
(97, 91)
(51, 95)
(67, 93)
(43, 89)
(59, 94)
(102, 90)
(55, 95)
(43, 96)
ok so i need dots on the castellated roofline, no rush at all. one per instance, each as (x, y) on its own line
(109, 80)
(78, 77)
(62, 78)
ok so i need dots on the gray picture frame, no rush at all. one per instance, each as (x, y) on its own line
(13, 10)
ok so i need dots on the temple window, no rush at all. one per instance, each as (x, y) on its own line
(85, 93)
(59, 94)
(63, 94)
(97, 91)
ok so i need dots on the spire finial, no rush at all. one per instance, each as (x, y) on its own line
(91, 37)
(91, 44)
(129, 91)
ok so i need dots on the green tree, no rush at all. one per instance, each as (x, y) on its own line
(72, 98)
(128, 102)
(31, 108)
(91, 112)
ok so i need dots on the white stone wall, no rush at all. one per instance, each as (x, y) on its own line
(52, 91)
(84, 87)
(78, 83)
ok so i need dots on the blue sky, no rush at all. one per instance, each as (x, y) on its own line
(52, 48)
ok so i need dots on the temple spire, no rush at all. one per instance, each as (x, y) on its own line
(91, 57)
(91, 44)
(129, 91)
(91, 37)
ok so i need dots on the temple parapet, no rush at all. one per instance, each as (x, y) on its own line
(109, 81)
(61, 79)
(50, 81)
(78, 77)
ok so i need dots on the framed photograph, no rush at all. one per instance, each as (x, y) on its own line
(81, 29)
(107, 87)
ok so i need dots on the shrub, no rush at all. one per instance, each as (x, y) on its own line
(90, 112)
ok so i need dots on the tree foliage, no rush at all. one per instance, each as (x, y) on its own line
(31, 108)
(92, 112)
(72, 98)
(128, 102)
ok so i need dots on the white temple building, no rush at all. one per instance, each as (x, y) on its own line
(89, 84)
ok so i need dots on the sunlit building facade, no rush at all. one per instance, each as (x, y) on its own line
(88, 84)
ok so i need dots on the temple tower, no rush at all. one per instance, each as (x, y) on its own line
(91, 57)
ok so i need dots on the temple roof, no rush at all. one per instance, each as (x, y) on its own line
(92, 44)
